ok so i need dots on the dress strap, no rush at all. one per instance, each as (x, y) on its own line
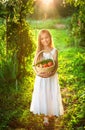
(53, 51)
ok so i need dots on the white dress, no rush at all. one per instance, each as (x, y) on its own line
(46, 98)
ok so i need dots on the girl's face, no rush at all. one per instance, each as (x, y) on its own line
(45, 39)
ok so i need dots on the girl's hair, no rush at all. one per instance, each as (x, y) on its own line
(40, 46)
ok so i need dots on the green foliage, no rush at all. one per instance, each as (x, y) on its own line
(18, 34)
(16, 9)
(65, 10)
(8, 71)
(77, 29)
(2, 40)
(74, 66)
(16, 47)
(15, 103)
(15, 90)
(72, 79)
(20, 45)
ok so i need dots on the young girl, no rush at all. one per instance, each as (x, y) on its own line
(46, 98)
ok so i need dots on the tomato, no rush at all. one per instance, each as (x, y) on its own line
(50, 63)
(45, 65)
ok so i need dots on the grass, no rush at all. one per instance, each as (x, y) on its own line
(48, 23)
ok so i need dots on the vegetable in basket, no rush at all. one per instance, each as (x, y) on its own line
(44, 63)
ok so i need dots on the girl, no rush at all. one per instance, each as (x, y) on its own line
(46, 98)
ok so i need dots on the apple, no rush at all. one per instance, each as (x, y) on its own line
(50, 63)
(45, 65)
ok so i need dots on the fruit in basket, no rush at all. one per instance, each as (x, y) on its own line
(44, 63)
(50, 63)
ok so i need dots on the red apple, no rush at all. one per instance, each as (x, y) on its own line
(50, 63)
(45, 65)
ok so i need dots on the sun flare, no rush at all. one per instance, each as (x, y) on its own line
(47, 2)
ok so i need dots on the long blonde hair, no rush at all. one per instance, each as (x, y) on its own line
(40, 46)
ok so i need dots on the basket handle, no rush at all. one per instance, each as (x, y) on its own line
(40, 53)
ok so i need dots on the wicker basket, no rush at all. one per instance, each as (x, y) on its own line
(46, 69)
